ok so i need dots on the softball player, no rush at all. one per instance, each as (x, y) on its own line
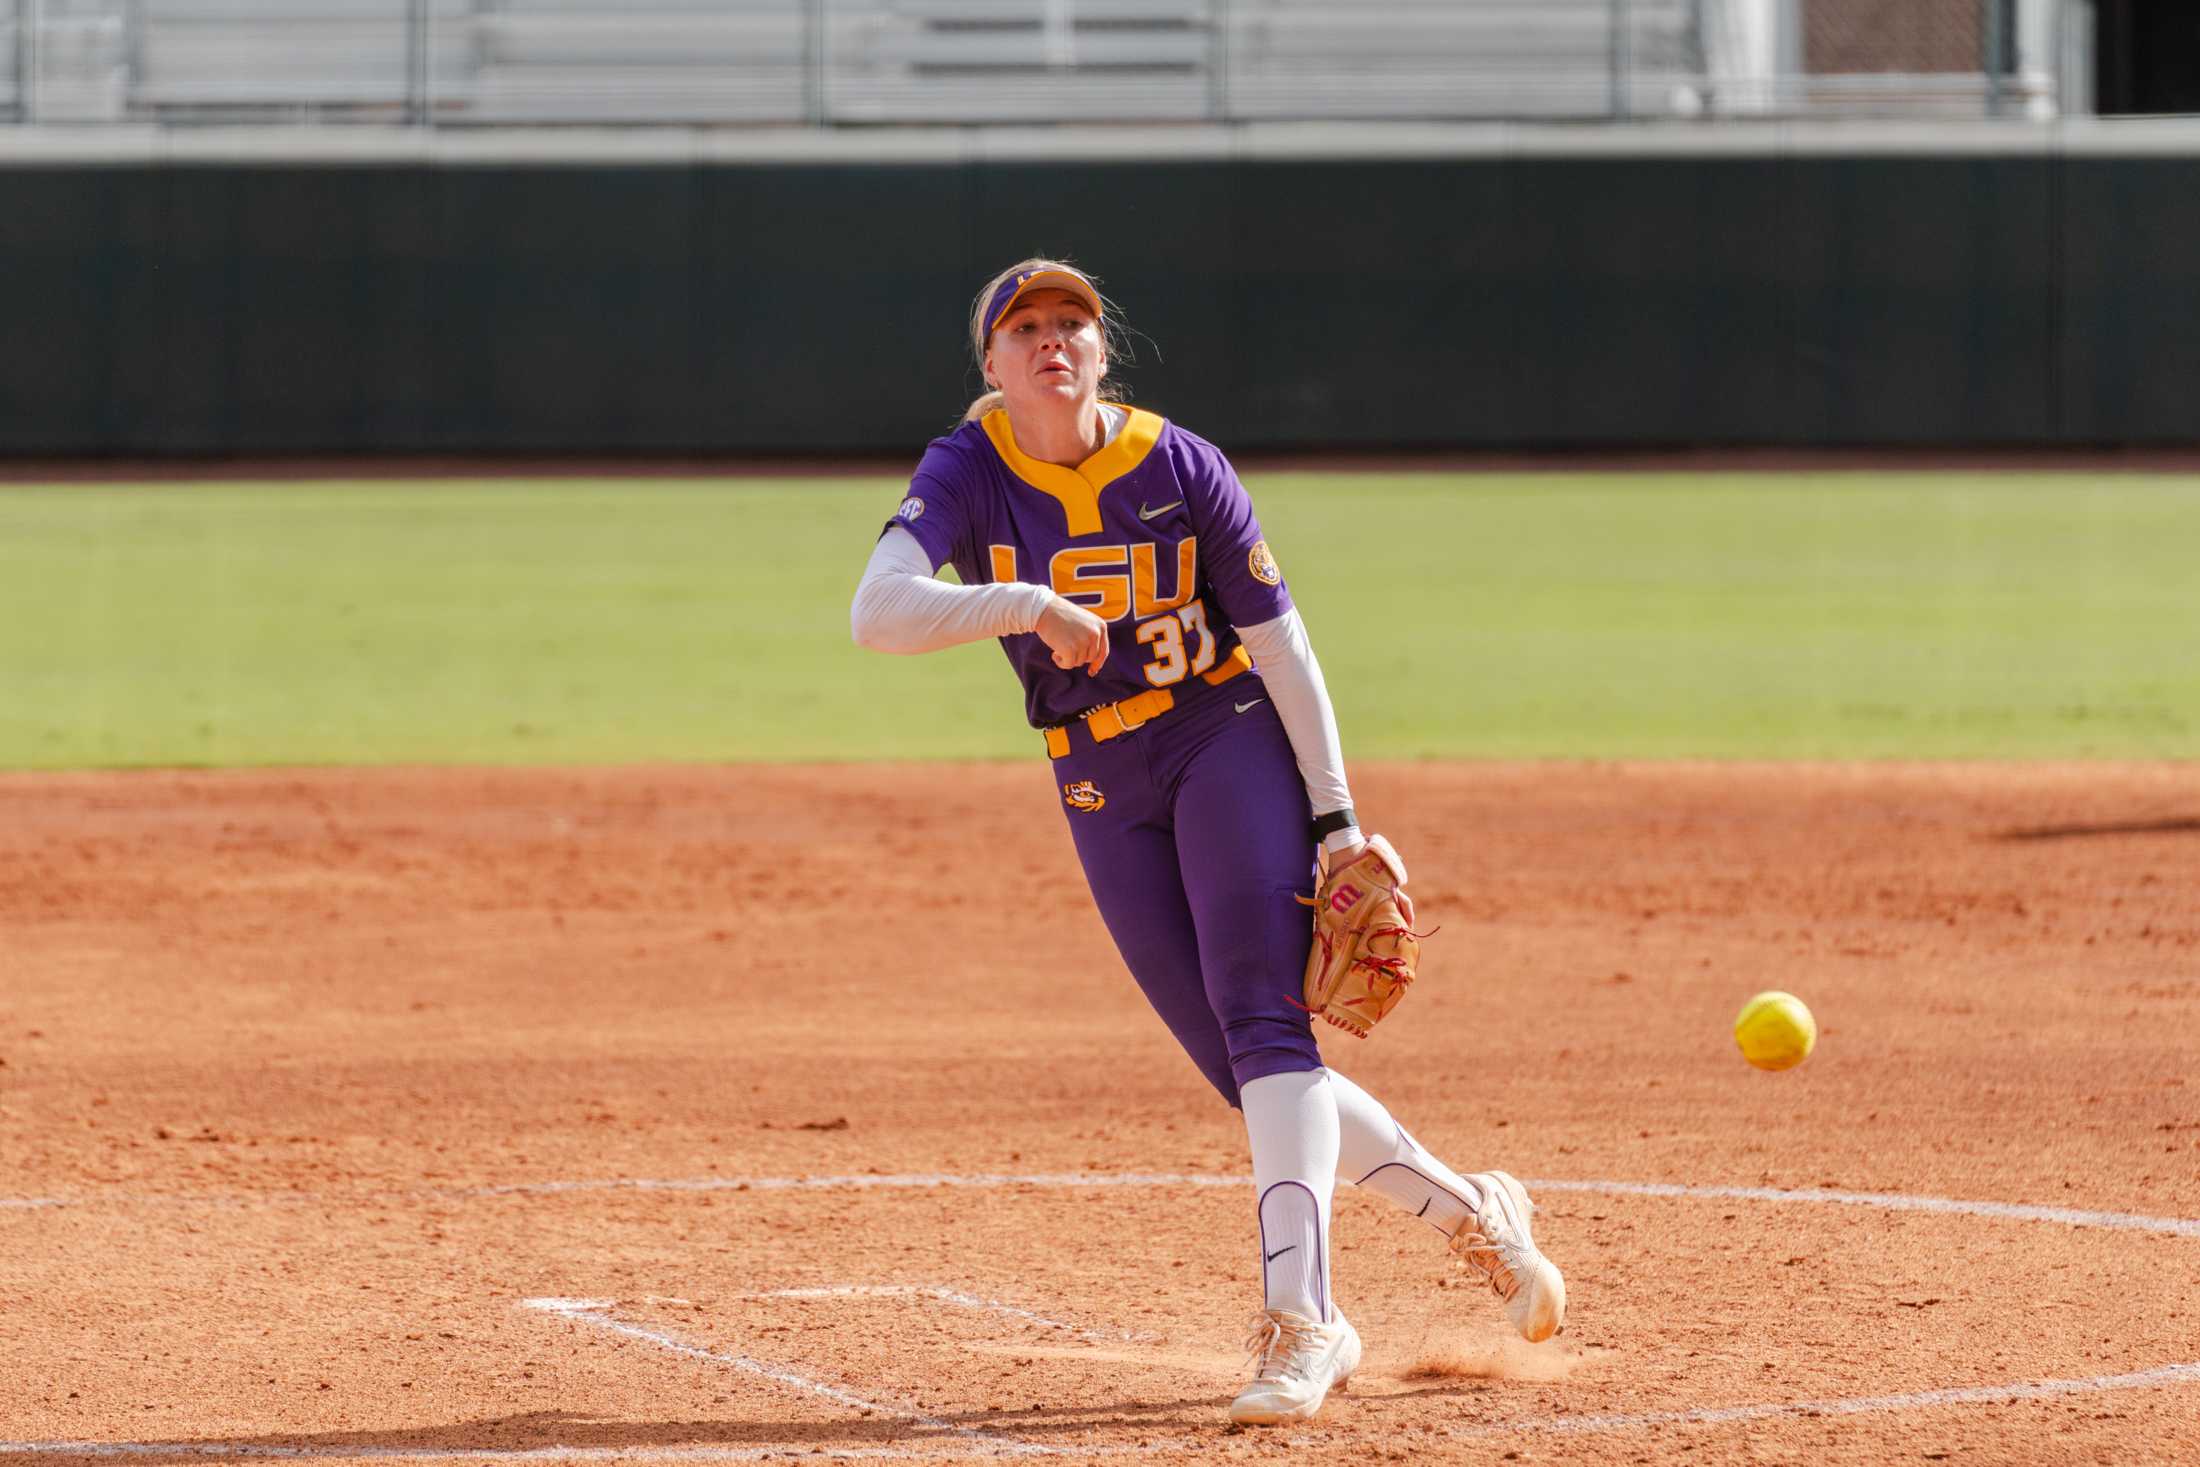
(1118, 560)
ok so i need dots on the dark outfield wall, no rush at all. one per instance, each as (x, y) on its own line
(199, 309)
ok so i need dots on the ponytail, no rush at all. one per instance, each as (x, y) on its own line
(985, 403)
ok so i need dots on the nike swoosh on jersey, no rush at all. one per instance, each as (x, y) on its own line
(1154, 514)
(1286, 1248)
(1254, 704)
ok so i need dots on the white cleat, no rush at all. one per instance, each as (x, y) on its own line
(1498, 1242)
(1296, 1363)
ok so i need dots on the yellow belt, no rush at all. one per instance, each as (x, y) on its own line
(1136, 712)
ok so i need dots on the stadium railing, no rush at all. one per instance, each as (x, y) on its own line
(829, 62)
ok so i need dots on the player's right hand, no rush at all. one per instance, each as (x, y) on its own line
(1074, 635)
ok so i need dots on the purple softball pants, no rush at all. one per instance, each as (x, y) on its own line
(1193, 834)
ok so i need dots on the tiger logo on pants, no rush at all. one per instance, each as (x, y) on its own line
(1083, 796)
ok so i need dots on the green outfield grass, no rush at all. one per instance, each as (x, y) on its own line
(1654, 615)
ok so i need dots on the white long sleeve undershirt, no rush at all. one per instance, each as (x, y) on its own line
(1285, 656)
(900, 607)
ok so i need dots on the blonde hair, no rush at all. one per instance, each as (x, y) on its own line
(1112, 335)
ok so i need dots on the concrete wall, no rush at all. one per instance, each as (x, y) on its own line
(1715, 296)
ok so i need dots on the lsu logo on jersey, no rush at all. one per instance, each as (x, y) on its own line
(1083, 796)
(1262, 564)
(1114, 581)
(911, 508)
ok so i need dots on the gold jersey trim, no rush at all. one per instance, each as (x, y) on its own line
(1078, 490)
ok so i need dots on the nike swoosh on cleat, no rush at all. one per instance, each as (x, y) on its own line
(1286, 1248)
(1254, 704)
(1154, 514)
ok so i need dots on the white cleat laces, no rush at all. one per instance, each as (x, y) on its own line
(1296, 1362)
(1498, 1242)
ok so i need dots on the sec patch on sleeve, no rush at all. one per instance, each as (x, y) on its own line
(1262, 564)
(911, 508)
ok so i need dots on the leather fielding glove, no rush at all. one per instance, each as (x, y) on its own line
(1365, 949)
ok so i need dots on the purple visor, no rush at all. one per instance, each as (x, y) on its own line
(1017, 286)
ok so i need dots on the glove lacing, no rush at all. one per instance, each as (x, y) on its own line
(1390, 967)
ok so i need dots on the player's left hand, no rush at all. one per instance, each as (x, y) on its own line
(1345, 856)
(1365, 950)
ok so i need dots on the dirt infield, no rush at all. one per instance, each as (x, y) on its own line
(717, 1114)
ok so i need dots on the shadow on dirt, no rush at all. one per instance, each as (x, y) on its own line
(2179, 825)
(547, 1432)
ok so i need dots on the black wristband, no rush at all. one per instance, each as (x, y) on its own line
(1334, 821)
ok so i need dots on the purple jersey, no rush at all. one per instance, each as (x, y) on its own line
(1153, 534)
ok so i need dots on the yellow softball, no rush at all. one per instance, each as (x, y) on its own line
(1775, 1031)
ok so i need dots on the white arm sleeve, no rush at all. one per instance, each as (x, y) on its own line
(1294, 680)
(900, 607)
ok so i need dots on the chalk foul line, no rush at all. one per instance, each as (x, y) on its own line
(949, 1296)
(964, 1443)
(1893, 1202)
(955, 1442)
(1062, 1181)
(957, 1449)
(2029, 1390)
(293, 1451)
(597, 1312)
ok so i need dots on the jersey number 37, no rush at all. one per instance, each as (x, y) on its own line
(1114, 581)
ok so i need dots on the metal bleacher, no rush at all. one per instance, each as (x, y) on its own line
(849, 61)
(1436, 58)
(223, 56)
(1016, 60)
(714, 61)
